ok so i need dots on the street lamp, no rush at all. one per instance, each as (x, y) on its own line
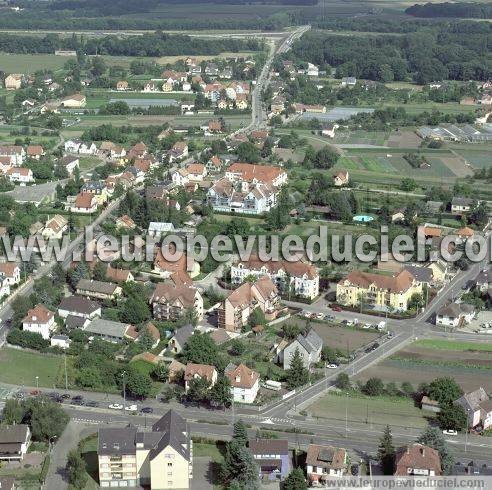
(124, 389)
(52, 438)
(37, 382)
(466, 431)
(346, 414)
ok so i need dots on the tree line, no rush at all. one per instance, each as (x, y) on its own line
(460, 9)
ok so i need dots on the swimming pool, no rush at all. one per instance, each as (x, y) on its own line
(363, 218)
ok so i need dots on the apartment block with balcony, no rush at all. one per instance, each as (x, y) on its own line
(159, 458)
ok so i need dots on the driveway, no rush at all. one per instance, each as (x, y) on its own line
(203, 471)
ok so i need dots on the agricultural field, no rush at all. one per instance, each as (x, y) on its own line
(376, 138)
(29, 63)
(470, 364)
(373, 411)
(478, 156)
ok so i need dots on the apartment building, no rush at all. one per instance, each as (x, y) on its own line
(378, 291)
(160, 458)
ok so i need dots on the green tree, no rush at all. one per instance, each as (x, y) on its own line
(198, 390)
(76, 470)
(221, 391)
(138, 384)
(46, 418)
(89, 377)
(13, 412)
(135, 310)
(326, 158)
(386, 452)
(374, 387)
(240, 432)
(291, 330)
(257, 317)
(237, 348)
(444, 390)
(161, 372)
(342, 381)
(452, 417)
(200, 349)
(248, 152)
(416, 301)
(295, 480)
(297, 374)
(433, 438)
(240, 469)
(407, 388)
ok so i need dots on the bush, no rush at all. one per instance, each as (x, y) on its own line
(373, 387)
(28, 340)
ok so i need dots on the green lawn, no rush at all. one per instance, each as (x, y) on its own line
(21, 368)
(395, 411)
(29, 63)
(207, 449)
(88, 451)
(453, 345)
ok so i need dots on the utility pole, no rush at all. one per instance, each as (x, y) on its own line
(66, 377)
(346, 414)
(124, 389)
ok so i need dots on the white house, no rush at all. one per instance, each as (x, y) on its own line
(4, 286)
(325, 461)
(55, 227)
(303, 278)
(157, 229)
(85, 203)
(22, 175)
(70, 163)
(312, 70)
(180, 177)
(11, 271)
(245, 383)
(309, 346)
(454, 315)
(61, 341)
(39, 320)
(478, 407)
(14, 443)
(81, 147)
(79, 306)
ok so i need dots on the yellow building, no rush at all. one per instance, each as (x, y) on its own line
(378, 290)
(159, 459)
(13, 81)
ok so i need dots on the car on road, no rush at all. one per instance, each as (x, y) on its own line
(131, 408)
(329, 317)
(35, 392)
(116, 406)
(65, 396)
(366, 326)
(319, 316)
(77, 401)
(147, 410)
(335, 308)
(450, 432)
(91, 403)
(332, 366)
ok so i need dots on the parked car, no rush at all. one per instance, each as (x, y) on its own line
(147, 410)
(35, 392)
(335, 308)
(65, 396)
(329, 317)
(450, 432)
(116, 406)
(319, 316)
(131, 408)
(332, 366)
(92, 403)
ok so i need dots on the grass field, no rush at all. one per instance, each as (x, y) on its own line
(380, 411)
(478, 157)
(29, 63)
(469, 363)
(21, 368)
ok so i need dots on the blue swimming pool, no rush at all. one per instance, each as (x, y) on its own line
(362, 218)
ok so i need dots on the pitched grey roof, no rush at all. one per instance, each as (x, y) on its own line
(454, 310)
(173, 426)
(311, 341)
(79, 304)
(422, 274)
(473, 399)
(96, 286)
(73, 321)
(461, 201)
(268, 446)
(109, 328)
(13, 434)
(117, 441)
(182, 334)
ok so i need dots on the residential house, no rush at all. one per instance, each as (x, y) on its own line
(178, 151)
(98, 289)
(247, 188)
(14, 442)
(81, 147)
(70, 163)
(96, 188)
(323, 462)
(180, 337)
(125, 222)
(461, 205)
(245, 383)
(214, 164)
(348, 82)
(173, 297)
(55, 227)
(60, 341)
(39, 320)
(22, 175)
(150, 87)
(176, 371)
(15, 153)
(13, 81)
(196, 172)
(118, 275)
(158, 230)
(309, 346)
(79, 306)
(35, 152)
(237, 307)
(312, 70)
(122, 85)
(478, 408)
(430, 405)
(422, 274)
(378, 291)
(296, 278)
(341, 178)
(465, 233)
(148, 330)
(159, 459)
(138, 150)
(328, 129)
(85, 203)
(199, 371)
(455, 315)
(417, 460)
(242, 102)
(482, 282)
(214, 126)
(272, 457)
(11, 271)
(75, 101)
(175, 261)
(108, 330)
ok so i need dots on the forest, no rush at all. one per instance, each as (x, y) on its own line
(455, 51)
(459, 9)
(158, 44)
